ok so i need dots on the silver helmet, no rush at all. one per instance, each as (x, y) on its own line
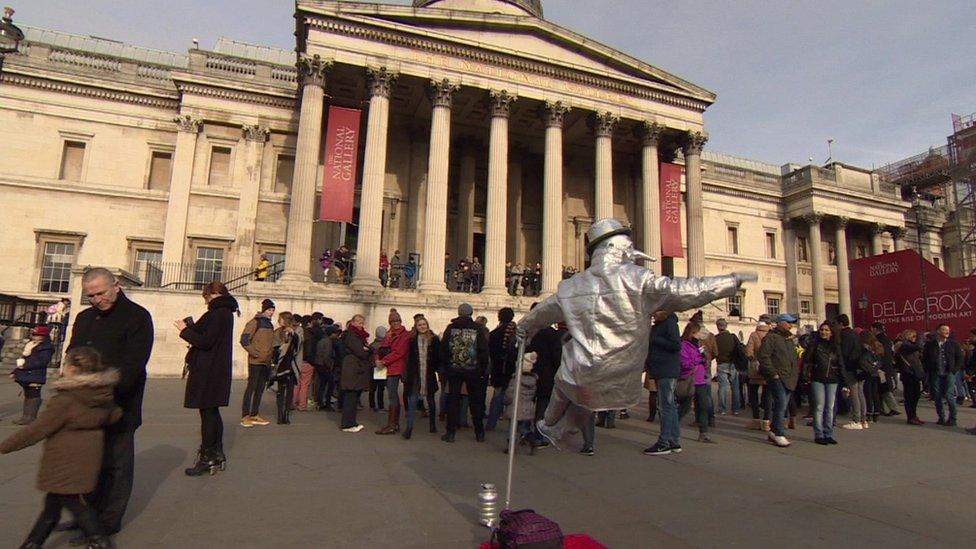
(607, 228)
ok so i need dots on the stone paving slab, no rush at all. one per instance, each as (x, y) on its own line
(309, 485)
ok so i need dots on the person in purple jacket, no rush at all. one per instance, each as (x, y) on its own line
(693, 365)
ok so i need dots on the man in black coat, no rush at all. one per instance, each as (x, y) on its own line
(464, 355)
(663, 365)
(122, 332)
(501, 351)
(942, 358)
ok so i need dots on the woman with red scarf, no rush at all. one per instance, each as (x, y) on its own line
(357, 371)
(397, 340)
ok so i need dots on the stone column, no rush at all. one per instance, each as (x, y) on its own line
(298, 247)
(877, 231)
(435, 219)
(465, 207)
(649, 134)
(898, 236)
(374, 178)
(247, 210)
(792, 288)
(603, 124)
(418, 193)
(843, 269)
(816, 261)
(517, 249)
(174, 239)
(552, 201)
(693, 203)
(496, 218)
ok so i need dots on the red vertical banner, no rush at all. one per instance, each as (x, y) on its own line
(671, 210)
(341, 158)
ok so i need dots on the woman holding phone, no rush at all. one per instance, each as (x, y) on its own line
(209, 372)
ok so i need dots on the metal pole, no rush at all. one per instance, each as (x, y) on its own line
(921, 260)
(513, 428)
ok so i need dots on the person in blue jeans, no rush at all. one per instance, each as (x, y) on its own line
(824, 360)
(942, 358)
(663, 365)
(501, 353)
(728, 377)
(778, 364)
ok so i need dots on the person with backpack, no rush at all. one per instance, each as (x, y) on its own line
(258, 340)
(464, 355)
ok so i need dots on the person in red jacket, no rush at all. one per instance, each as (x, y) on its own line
(398, 342)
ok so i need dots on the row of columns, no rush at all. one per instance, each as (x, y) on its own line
(814, 233)
(312, 70)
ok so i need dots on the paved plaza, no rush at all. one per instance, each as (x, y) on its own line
(309, 485)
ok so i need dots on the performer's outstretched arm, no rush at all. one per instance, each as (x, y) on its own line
(544, 314)
(681, 294)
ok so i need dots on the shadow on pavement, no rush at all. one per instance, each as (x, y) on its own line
(153, 466)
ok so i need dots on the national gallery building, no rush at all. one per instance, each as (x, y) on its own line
(445, 130)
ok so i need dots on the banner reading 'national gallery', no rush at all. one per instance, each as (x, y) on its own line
(671, 210)
(341, 157)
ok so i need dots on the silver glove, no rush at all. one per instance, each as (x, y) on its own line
(745, 276)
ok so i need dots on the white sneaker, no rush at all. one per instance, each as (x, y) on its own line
(354, 429)
(852, 425)
(779, 440)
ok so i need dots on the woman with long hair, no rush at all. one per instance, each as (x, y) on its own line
(420, 377)
(357, 371)
(872, 382)
(908, 359)
(209, 368)
(693, 365)
(823, 361)
(288, 368)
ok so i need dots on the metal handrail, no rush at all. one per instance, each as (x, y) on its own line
(272, 269)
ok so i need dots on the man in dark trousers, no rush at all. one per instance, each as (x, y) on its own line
(501, 352)
(122, 332)
(464, 353)
(942, 358)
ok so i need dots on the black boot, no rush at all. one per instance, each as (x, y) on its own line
(31, 407)
(205, 464)
(407, 432)
(433, 423)
(219, 458)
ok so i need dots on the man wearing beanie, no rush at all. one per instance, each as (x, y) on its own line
(464, 354)
(258, 340)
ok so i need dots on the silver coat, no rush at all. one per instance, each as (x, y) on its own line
(607, 310)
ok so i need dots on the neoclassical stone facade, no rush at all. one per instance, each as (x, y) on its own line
(487, 131)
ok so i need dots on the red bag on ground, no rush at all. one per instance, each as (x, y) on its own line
(527, 529)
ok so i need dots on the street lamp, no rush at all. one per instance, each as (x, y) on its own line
(917, 206)
(10, 35)
(862, 304)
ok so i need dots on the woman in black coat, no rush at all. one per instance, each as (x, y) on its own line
(357, 371)
(209, 364)
(420, 377)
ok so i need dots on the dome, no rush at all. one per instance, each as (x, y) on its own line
(521, 7)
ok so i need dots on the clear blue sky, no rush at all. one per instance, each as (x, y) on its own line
(880, 77)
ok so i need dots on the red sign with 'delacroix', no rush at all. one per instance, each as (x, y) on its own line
(890, 288)
(671, 210)
(341, 157)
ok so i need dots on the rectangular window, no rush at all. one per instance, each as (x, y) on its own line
(284, 171)
(56, 267)
(149, 267)
(219, 167)
(804, 306)
(72, 160)
(734, 305)
(770, 245)
(733, 240)
(160, 170)
(801, 249)
(773, 303)
(209, 266)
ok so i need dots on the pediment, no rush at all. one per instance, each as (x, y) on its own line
(528, 38)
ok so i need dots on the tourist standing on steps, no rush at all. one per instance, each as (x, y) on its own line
(31, 371)
(823, 361)
(420, 377)
(397, 340)
(357, 371)
(777, 362)
(122, 332)
(209, 363)
(464, 355)
(663, 365)
(258, 340)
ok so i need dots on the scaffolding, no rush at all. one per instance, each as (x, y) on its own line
(946, 174)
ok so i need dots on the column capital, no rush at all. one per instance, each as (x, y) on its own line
(603, 123)
(500, 102)
(878, 228)
(255, 133)
(380, 81)
(896, 232)
(694, 142)
(555, 112)
(312, 69)
(649, 132)
(442, 92)
(186, 123)
(813, 218)
(842, 221)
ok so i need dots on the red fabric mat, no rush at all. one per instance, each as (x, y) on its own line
(570, 541)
